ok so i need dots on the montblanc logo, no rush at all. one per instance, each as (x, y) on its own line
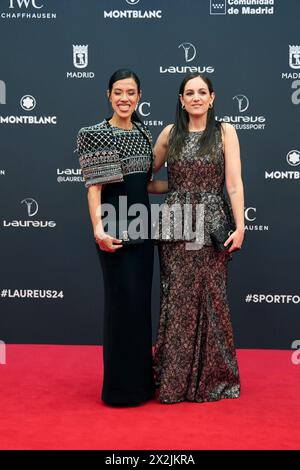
(28, 104)
(189, 54)
(27, 10)
(293, 159)
(244, 121)
(80, 61)
(2, 92)
(132, 14)
(144, 110)
(250, 218)
(32, 208)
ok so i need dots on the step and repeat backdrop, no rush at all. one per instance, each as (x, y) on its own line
(56, 57)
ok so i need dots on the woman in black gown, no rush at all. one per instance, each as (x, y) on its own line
(116, 160)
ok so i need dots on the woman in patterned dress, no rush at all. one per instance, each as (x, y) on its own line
(195, 358)
(116, 160)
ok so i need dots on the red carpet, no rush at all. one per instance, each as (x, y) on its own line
(50, 400)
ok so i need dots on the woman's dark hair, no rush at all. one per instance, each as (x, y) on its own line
(121, 74)
(180, 130)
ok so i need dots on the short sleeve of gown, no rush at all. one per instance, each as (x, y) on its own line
(99, 163)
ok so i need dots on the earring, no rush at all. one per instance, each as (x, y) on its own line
(210, 105)
(183, 106)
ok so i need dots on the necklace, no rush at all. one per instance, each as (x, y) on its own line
(119, 127)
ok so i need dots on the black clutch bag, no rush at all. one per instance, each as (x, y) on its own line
(127, 230)
(220, 235)
(223, 231)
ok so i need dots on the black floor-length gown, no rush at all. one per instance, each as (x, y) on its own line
(122, 165)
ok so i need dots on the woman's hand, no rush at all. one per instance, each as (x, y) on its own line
(237, 238)
(106, 242)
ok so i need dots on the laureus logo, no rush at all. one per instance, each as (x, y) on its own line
(244, 121)
(189, 51)
(32, 206)
(132, 2)
(189, 55)
(69, 175)
(243, 102)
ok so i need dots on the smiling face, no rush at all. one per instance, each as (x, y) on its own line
(124, 97)
(196, 97)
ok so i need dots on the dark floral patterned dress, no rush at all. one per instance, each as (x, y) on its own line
(195, 358)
